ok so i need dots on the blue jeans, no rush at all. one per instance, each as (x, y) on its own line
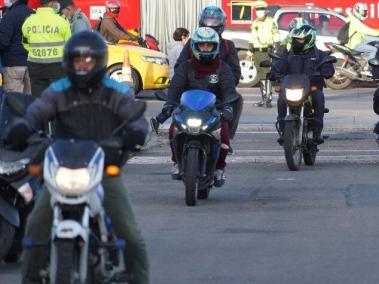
(371, 50)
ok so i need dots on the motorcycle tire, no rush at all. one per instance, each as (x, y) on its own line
(191, 180)
(292, 150)
(7, 233)
(338, 81)
(66, 263)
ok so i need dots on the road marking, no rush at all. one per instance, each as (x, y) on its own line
(236, 151)
(286, 179)
(149, 160)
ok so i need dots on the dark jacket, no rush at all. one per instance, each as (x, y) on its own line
(11, 49)
(290, 63)
(221, 83)
(228, 54)
(85, 116)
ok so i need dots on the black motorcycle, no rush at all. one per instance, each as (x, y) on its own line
(350, 68)
(17, 188)
(298, 124)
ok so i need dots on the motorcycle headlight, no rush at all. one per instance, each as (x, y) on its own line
(294, 95)
(156, 60)
(13, 167)
(194, 122)
(71, 181)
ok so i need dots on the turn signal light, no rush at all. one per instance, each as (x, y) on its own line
(34, 170)
(314, 88)
(277, 89)
(112, 170)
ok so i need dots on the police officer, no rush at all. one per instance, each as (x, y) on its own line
(264, 36)
(44, 35)
(85, 105)
(78, 20)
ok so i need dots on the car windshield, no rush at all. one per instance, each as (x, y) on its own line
(197, 100)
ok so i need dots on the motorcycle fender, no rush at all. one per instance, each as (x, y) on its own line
(9, 213)
(69, 229)
(292, 117)
(198, 145)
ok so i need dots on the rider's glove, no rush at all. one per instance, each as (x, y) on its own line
(227, 113)
(17, 135)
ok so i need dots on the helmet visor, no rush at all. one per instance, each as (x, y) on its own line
(213, 22)
(83, 64)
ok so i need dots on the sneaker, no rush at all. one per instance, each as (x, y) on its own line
(175, 172)
(366, 73)
(260, 104)
(219, 178)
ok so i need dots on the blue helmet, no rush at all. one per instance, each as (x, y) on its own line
(213, 17)
(208, 35)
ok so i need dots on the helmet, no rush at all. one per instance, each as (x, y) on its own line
(297, 23)
(113, 7)
(260, 5)
(90, 45)
(360, 10)
(213, 17)
(306, 32)
(205, 34)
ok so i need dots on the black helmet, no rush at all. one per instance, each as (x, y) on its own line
(90, 45)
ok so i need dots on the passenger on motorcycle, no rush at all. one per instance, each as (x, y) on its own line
(85, 105)
(301, 59)
(205, 71)
(214, 17)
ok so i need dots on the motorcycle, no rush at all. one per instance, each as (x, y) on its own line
(350, 68)
(298, 131)
(83, 248)
(196, 143)
(17, 188)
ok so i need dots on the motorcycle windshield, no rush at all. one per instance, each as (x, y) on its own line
(74, 154)
(197, 100)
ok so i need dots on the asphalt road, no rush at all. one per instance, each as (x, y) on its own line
(267, 224)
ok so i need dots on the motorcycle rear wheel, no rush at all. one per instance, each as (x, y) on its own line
(191, 179)
(7, 233)
(292, 150)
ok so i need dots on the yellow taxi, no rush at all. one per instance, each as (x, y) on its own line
(150, 69)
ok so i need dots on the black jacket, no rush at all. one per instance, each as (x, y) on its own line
(228, 54)
(290, 63)
(86, 116)
(221, 83)
(11, 49)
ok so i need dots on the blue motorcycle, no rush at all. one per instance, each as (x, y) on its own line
(196, 143)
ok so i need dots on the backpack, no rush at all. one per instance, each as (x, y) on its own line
(343, 34)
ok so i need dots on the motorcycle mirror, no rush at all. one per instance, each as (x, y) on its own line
(161, 95)
(265, 63)
(373, 62)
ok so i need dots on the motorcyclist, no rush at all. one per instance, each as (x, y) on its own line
(205, 71)
(301, 59)
(85, 105)
(375, 73)
(110, 28)
(214, 17)
(358, 30)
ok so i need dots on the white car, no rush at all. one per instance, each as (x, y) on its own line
(284, 16)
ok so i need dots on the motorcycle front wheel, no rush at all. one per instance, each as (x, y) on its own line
(292, 149)
(7, 232)
(191, 179)
(67, 260)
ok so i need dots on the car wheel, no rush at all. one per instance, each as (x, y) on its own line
(249, 75)
(114, 72)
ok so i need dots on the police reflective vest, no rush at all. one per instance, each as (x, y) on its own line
(264, 33)
(44, 35)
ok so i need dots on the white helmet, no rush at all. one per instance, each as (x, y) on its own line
(360, 11)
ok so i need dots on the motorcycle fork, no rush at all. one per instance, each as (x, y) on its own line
(300, 121)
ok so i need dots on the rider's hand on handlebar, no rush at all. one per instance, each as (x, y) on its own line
(227, 113)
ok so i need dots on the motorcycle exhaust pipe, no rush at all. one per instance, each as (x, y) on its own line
(349, 73)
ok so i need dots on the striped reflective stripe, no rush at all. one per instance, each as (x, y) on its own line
(46, 44)
(45, 60)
